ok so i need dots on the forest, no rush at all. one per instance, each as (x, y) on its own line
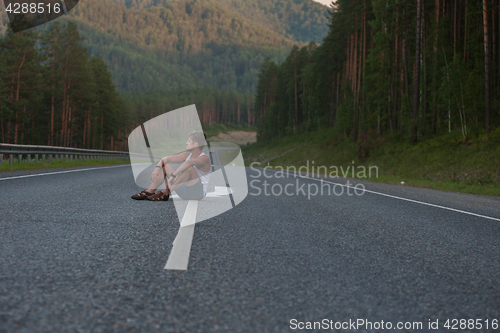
(88, 78)
(53, 93)
(411, 69)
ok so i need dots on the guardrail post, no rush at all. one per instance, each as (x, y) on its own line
(20, 158)
(50, 158)
(66, 158)
(11, 159)
(1, 160)
(36, 158)
(43, 158)
(71, 157)
(29, 158)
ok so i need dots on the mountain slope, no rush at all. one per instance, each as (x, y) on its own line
(178, 26)
(189, 43)
(138, 68)
(301, 20)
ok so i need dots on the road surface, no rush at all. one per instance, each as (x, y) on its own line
(78, 255)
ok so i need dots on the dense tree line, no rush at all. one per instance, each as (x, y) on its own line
(410, 68)
(53, 93)
(214, 106)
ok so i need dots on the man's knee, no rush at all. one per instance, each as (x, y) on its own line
(189, 174)
(192, 172)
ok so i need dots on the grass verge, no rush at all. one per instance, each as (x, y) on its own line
(446, 162)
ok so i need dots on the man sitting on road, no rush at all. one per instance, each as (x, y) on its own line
(189, 181)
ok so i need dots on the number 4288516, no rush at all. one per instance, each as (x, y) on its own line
(455, 324)
(33, 8)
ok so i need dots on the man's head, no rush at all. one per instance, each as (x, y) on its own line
(196, 140)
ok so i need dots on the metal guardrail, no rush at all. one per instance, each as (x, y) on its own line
(55, 153)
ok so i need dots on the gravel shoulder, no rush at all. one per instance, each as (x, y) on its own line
(238, 137)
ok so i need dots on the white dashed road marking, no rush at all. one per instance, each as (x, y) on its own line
(179, 256)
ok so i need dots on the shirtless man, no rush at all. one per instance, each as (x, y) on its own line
(189, 181)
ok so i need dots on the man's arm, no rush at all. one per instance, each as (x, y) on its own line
(169, 159)
(198, 162)
(174, 159)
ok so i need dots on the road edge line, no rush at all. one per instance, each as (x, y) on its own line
(400, 198)
(60, 172)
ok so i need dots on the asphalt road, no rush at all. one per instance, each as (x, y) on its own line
(78, 255)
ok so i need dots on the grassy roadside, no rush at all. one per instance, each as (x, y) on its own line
(446, 163)
(59, 164)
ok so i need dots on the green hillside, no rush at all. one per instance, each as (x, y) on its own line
(301, 20)
(166, 48)
(166, 45)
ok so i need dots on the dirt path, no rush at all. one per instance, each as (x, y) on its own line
(238, 137)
